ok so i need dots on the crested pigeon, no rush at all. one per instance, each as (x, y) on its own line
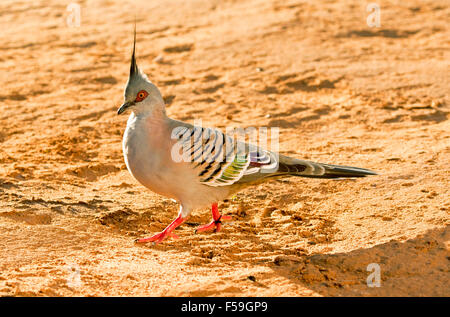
(213, 165)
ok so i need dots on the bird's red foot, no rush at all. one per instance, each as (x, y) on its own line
(159, 237)
(216, 223)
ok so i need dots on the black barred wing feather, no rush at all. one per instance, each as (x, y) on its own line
(219, 159)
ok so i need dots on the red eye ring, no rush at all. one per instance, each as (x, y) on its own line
(141, 95)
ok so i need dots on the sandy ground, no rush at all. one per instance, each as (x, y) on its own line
(340, 91)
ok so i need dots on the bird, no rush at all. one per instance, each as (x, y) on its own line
(198, 166)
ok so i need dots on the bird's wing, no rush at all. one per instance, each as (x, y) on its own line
(219, 159)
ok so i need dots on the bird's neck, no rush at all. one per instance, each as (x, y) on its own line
(155, 111)
(154, 117)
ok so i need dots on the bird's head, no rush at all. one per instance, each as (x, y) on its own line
(141, 96)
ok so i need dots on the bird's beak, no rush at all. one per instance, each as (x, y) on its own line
(124, 107)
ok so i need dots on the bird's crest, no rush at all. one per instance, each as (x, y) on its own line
(133, 67)
(136, 75)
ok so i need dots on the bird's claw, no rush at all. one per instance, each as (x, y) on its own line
(215, 225)
(157, 238)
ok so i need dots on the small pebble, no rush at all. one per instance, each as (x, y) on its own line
(158, 59)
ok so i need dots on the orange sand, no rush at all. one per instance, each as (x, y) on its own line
(340, 91)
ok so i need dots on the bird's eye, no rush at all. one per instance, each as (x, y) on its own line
(141, 95)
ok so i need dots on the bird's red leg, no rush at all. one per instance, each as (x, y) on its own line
(216, 223)
(165, 233)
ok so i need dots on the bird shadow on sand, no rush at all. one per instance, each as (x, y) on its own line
(414, 267)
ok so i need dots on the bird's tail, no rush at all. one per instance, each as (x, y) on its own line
(302, 168)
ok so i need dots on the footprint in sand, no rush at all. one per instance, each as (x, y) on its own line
(179, 48)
